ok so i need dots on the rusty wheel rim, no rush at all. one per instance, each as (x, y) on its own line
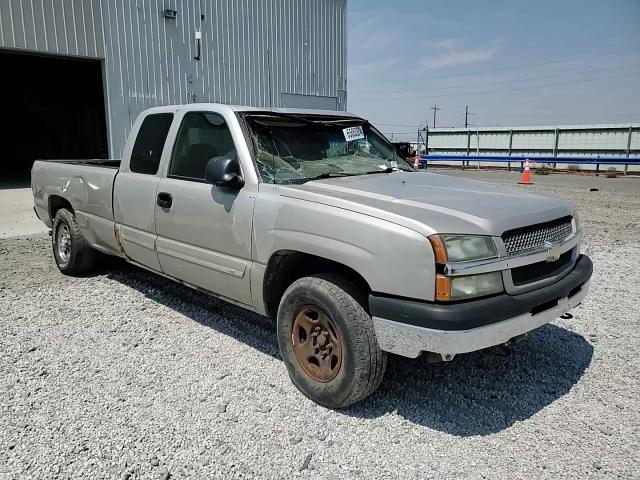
(316, 343)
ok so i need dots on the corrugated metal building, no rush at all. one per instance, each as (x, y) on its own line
(77, 72)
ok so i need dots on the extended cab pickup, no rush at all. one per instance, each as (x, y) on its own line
(310, 217)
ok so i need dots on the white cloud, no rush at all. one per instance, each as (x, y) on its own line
(370, 33)
(452, 52)
(362, 71)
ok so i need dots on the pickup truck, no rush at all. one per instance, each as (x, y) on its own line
(309, 217)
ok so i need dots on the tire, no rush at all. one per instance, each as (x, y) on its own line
(70, 250)
(361, 367)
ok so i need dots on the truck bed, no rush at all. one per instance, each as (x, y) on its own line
(100, 162)
(86, 184)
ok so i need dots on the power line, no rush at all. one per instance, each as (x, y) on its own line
(588, 114)
(481, 92)
(480, 72)
(500, 82)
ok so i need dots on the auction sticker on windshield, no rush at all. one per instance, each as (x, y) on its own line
(353, 133)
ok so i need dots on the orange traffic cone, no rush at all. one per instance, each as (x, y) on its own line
(526, 175)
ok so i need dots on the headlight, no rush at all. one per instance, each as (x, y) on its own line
(476, 285)
(462, 248)
(465, 248)
(468, 286)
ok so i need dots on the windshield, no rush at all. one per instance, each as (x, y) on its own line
(298, 149)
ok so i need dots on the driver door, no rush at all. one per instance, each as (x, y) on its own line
(204, 231)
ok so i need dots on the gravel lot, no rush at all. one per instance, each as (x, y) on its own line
(127, 375)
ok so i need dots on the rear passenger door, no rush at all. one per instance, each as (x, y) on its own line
(134, 198)
(204, 234)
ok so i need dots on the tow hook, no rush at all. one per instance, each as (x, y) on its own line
(514, 340)
(503, 349)
(433, 357)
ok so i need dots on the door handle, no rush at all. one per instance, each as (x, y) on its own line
(164, 200)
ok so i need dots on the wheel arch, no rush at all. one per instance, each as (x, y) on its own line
(287, 266)
(55, 203)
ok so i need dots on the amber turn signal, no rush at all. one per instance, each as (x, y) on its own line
(443, 288)
(439, 250)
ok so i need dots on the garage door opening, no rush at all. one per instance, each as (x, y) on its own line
(53, 107)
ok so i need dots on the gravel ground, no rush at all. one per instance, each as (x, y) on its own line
(127, 375)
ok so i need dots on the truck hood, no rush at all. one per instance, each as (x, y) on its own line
(432, 203)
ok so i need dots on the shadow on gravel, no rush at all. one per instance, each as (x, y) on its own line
(255, 330)
(476, 394)
(482, 392)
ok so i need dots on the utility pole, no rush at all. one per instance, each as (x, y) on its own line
(426, 139)
(466, 116)
(435, 108)
(426, 124)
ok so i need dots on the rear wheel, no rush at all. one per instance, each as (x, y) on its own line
(328, 342)
(72, 254)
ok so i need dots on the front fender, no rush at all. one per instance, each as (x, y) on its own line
(393, 259)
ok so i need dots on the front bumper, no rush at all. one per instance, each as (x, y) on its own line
(409, 327)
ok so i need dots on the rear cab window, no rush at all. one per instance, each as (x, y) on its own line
(147, 149)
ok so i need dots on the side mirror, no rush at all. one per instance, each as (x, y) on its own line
(224, 171)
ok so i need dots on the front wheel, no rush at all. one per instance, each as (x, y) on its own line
(72, 254)
(328, 342)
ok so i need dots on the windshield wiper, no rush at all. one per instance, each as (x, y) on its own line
(299, 181)
(340, 174)
(329, 175)
(386, 170)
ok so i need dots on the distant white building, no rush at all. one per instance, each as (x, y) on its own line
(620, 140)
(553, 144)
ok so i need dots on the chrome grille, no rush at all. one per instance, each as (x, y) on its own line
(526, 239)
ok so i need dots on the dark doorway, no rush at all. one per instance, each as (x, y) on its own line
(53, 107)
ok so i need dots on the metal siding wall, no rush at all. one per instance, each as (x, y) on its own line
(534, 140)
(635, 140)
(572, 140)
(448, 140)
(65, 27)
(593, 140)
(494, 140)
(253, 51)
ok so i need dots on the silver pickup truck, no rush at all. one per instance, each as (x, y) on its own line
(311, 218)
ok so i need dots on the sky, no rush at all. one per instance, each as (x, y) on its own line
(539, 62)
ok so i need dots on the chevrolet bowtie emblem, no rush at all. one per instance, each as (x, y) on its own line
(553, 250)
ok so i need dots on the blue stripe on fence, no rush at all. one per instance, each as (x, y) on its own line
(538, 159)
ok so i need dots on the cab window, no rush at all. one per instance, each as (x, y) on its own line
(147, 149)
(201, 137)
